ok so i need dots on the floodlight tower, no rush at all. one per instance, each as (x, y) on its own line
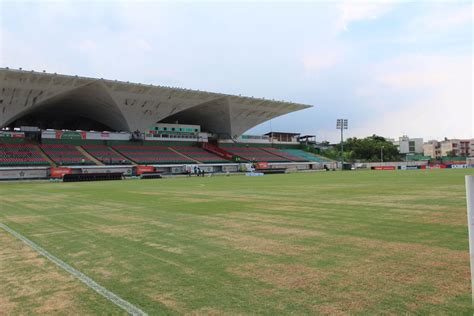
(342, 125)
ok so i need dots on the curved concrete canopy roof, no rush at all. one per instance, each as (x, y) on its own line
(129, 106)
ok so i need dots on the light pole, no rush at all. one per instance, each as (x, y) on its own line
(342, 125)
(381, 153)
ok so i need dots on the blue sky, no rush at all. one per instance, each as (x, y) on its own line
(391, 68)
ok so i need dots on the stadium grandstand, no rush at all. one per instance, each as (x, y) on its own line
(85, 124)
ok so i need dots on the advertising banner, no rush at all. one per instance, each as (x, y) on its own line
(60, 172)
(459, 166)
(70, 135)
(409, 167)
(107, 136)
(438, 166)
(12, 134)
(384, 168)
(26, 173)
(142, 169)
(84, 135)
(261, 165)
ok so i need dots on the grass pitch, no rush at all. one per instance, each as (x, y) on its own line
(319, 243)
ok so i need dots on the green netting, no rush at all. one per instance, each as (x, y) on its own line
(446, 159)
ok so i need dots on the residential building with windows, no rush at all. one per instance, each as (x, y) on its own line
(432, 149)
(407, 145)
(457, 147)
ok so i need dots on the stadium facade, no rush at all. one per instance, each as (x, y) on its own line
(55, 101)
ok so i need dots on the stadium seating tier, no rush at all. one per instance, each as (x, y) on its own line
(105, 154)
(199, 154)
(255, 154)
(12, 155)
(306, 155)
(63, 154)
(151, 154)
(284, 154)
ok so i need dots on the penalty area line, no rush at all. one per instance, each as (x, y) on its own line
(114, 298)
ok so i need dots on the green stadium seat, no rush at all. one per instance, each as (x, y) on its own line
(306, 155)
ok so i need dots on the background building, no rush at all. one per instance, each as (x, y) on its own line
(449, 148)
(432, 149)
(283, 137)
(457, 147)
(407, 145)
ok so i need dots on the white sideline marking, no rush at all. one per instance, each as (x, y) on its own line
(123, 304)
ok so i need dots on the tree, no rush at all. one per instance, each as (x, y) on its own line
(366, 149)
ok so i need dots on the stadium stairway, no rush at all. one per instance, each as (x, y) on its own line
(255, 154)
(199, 154)
(152, 154)
(65, 154)
(46, 157)
(307, 155)
(89, 156)
(219, 151)
(284, 154)
(120, 154)
(183, 155)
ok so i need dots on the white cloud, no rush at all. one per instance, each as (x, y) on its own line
(421, 95)
(353, 11)
(316, 62)
(439, 21)
(417, 71)
(87, 46)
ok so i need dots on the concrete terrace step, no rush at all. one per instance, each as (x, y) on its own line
(86, 154)
(183, 155)
(121, 155)
(45, 156)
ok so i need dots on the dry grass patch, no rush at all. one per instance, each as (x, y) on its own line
(37, 206)
(21, 219)
(455, 216)
(56, 303)
(7, 306)
(260, 218)
(165, 248)
(255, 226)
(288, 276)
(209, 311)
(191, 199)
(91, 207)
(254, 244)
(288, 231)
(28, 277)
(377, 202)
(130, 231)
(103, 272)
(359, 283)
(398, 268)
(123, 218)
(168, 301)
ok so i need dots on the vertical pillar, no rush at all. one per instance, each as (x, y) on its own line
(470, 223)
